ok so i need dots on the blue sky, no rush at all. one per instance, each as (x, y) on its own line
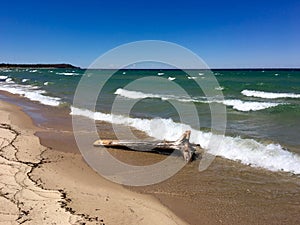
(223, 33)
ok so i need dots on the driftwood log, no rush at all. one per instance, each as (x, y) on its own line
(182, 145)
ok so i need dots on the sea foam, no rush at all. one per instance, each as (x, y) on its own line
(269, 95)
(3, 78)
(247, 151)
(248, 106)
(236, 104)
(68, 73)
(31, 92)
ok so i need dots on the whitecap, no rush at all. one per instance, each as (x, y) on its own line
(269, 95)
(9, 80)
(68, 74)
(236, 104)
(248, 106)
(219, 88)
(3, 78)
(171, 78)
(141, 95)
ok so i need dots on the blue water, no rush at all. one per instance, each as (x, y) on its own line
(261, 105)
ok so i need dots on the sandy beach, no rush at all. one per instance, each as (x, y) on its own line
(40, 185)
(57, 186)
(44, 180)
(150, 113)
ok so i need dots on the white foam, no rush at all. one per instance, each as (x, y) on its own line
(247, 151)
(234, 103)
(32, 71)
(192, 78)
(219, 88)
(31, 92)
(141, 95)
(9, 80)
(269, 95)
(3, 78)
(46, 83)
(68, 74)
(24, 80)
(160, 74)
(248, 106)
(171, 78)
(134, 94)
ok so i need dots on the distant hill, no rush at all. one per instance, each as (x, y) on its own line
(39, 66)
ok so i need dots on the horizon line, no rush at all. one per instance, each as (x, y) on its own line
(28, 65)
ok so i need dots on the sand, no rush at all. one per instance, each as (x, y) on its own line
(39, 185)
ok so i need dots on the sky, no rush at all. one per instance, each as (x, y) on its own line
(225, 34)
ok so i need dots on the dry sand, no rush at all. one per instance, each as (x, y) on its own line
(39, 185)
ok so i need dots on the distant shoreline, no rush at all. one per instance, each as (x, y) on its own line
(40, 66)
(70, 66)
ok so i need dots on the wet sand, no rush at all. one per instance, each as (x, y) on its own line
(226, 193)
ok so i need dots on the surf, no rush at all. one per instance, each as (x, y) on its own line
(250, 152)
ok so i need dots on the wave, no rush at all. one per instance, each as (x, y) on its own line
(171, 78)
(219, 88)
(24, 80)
(31, 92)
(247, 151)
(9, 81)
(5, 70)
(248, 106)
(269, 95)
(3, 78)
(68, 74)
(141, 95)
(234, 103)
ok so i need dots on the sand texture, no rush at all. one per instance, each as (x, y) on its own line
(39, 185)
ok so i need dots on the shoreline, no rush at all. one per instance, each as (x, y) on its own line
(38, 66)
(227, 193)
(77, 195)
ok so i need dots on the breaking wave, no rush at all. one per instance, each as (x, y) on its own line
(31, 92)
(236, 104)
(269, 95)
(68, 73)
(247, 151)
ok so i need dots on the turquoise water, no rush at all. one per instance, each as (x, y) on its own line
(261, 105)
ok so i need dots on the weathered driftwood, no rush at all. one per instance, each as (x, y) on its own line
(183, 145)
